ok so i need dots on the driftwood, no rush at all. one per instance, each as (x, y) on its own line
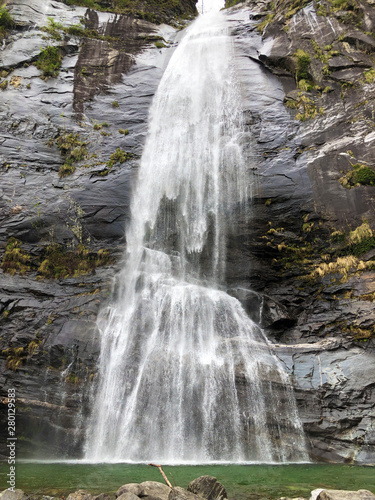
(163, 474)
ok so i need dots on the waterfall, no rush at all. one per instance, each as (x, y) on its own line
(185, 375)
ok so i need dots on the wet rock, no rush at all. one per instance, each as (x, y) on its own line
(208, 487)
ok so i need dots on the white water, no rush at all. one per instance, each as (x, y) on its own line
(185, 375)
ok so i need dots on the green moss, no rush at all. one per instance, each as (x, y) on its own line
(6, 20)
(369, 75)
(119, 156)
(124, 131)
(72, 149)
(231, 3)
(360, 175)
(15, 260)
(49, 61)
(267, 20)
(4, 84)
(303, 63)
(60, 263)
(115, 104)
(15, 357)
(155, 11)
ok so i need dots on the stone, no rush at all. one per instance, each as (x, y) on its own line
(80, 495)
(155, 489)
(181, 494)
(128, 495)
(208, 487)
(134, 488)
(345, 495)
(13, 495)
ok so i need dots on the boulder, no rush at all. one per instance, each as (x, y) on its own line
(154, 489)
(13, 495)
(181, 494)
(128, 495)
(345, 495)
(80, 495)
(134, 488)
(208, 487)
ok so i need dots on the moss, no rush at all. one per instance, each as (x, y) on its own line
(119, 156)
(155, 11)
(369, 75)
(305, 106)
(115, 104)
(72, 149)
(359, 175)
(4, 84)
(159, 45)
(123, 131)
(49, 61)
(231, 3)
(15, 357)
(303, 63)
(15, 260)
(267, 20)
(60, 263)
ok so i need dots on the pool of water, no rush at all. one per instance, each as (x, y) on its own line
(241, 481)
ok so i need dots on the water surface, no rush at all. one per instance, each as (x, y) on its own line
(241, 481)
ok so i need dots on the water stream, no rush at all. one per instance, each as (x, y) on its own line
(185, 375)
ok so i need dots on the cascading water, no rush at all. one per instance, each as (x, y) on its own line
(185, 375)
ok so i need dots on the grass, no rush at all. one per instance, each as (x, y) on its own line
(49, 61)
(303, 63)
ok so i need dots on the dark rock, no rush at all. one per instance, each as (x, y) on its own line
(208, 487)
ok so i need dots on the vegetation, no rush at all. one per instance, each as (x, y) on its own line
(303, 63)
(119, 156)
(124, 131)
(72, 149)
(59, 263)
(49, 61)
(15, 260)
(15, 357)
(6, 21)
(155, 11)
(115, 104)
(306, 107)
(231, 3)
(359, 175)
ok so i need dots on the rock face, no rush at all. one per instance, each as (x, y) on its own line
(303, 267)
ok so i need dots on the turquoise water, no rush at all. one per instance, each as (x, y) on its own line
(241, 481)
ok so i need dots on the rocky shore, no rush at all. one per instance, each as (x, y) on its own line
(204, 487)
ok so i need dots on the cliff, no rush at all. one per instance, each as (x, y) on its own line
(77, 84)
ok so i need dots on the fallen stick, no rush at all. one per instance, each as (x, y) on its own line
(163, 474)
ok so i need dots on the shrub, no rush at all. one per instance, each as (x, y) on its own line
(303, 63)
